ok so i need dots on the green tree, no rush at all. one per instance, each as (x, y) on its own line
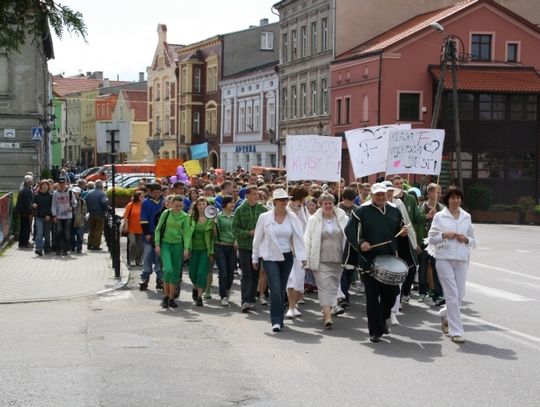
(22, 19)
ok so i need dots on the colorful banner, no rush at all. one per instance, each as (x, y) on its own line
(5, 216)
(167, 167)
(416, 151)
(314, 158)
(199, 151)
(368, 148)
(192, 167)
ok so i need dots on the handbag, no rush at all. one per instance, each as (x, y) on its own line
(124, 224)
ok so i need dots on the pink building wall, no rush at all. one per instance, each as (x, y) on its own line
(405, 68)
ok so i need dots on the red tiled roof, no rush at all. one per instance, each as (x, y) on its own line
(137, 100)
(404, 30)
(491, 79)
(64, 86)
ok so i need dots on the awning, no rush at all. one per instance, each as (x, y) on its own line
(491, 79)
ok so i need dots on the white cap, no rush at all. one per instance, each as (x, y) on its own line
(378, 187)
(280, 193)
(76, 190)
(391, 187)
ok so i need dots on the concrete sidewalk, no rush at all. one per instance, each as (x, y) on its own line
(27, 277)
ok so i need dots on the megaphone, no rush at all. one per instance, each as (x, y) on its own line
(210, 211)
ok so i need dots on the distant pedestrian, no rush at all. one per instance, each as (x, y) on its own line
(63, 202)
(79, 213)
(97, 204)
(42, 218)
(132, 215)
(24, 209)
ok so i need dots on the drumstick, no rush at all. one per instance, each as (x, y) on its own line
(402, 229)
(379, 244)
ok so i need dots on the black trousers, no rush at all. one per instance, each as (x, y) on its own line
(250, 276)
(404, 252)
(379, 301)
(24, 231)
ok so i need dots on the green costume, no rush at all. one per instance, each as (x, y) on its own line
(201, 246)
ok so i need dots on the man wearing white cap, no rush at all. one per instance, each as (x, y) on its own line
(79, 212)
(372, 223)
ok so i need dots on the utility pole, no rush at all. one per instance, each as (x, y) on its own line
(115, 246)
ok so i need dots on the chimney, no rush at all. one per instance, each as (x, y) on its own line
(264, 21)
(98, 75)
(88, 73)
(141, 76)
(162, 32)
(106, 83)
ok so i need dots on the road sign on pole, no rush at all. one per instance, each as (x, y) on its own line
(37, 133)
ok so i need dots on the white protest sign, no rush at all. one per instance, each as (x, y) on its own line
(314, 157)
(368, 148)
(416, 151)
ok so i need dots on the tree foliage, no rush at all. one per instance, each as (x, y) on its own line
(23, 19)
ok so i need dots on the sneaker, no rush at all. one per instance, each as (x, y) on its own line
(143, 285)
(393, 319)
(439, 302)
(159, 284)
(246, 308)
(444, 325)
(199, 302)
(263, 301)
(252, 306)
(276, 328)
(65, 253)
(172, 303)
(457, 339)
(422, 298)
(328, 324)
(344, 304)
(301, 301)
(39, 252)
(289, 314)
(296, 313)
(165, 302)
(337, 310)
(375, 338)
(207, 295)
(405, 299)
(225, 302)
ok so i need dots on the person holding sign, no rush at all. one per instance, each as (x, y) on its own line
(371, 231)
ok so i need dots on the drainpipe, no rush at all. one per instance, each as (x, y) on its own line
(379, 90)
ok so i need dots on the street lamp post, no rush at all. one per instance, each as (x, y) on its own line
(450, 57)
(155, 143)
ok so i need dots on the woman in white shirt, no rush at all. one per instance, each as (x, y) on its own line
(325, 241)
(278, 239)
(450, 239)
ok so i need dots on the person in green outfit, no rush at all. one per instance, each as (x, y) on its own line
(225, 249)
(172, 235)
(201, 248)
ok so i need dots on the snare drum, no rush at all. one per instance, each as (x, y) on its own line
(389, 269)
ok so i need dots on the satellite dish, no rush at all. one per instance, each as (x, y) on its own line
(210, 212)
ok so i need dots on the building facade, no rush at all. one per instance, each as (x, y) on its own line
(25, 104)
(249, 109)
(393, 78)
(162, 88)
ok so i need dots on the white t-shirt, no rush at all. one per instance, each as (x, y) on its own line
(283, 233)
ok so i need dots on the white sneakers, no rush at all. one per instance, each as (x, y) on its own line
(393, 319)
(293, 313)
(225, 302)
(276, 328)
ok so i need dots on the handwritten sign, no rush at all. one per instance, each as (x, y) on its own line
(313, 157)
(166, 167)
(416, 151)
(192, 167)
(368, 148)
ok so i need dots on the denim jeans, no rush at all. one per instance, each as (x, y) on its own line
(63, 232)
(225, 260)
(277, 274)
(77, 238)
(42, 229)
(150, 259)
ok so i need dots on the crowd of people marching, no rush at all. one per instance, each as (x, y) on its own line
(286, 239)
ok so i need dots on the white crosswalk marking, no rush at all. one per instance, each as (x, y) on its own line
(474, 263)
(118, 295)
(496, 293)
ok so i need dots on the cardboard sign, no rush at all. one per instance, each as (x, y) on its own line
(166, 167)
(368, 148)
(416, 151)
(192, 167)
(313, 157)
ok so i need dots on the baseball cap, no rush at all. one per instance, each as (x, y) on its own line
(378, 187)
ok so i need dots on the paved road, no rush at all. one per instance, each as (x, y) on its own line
(122, 349)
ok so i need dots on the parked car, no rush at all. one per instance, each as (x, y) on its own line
(86, 173)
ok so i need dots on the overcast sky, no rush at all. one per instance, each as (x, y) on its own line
(122, 35)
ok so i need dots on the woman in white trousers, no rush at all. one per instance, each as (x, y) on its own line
(450, 239)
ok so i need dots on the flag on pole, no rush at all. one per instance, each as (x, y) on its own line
(199, 151)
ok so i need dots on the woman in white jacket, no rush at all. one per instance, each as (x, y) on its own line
(278, 240)
(450, 239)
(325, 242)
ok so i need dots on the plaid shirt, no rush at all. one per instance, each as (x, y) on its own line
(245, 220)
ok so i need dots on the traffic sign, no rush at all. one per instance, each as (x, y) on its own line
(37, 133)
(9, 133)
(10, 145)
